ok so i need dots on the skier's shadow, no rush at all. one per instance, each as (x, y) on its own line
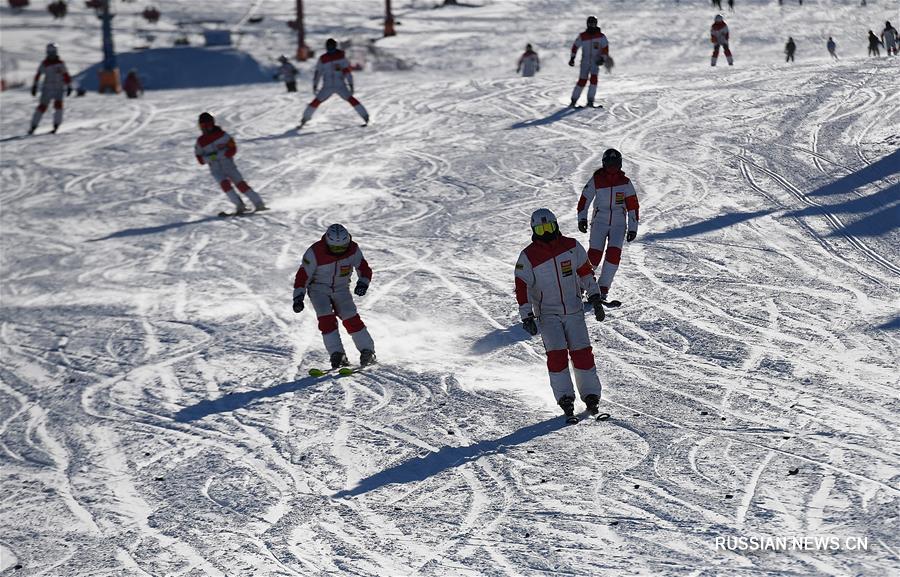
(499, 338)
(233, 401)
(421, 468)
(555, 117)
(154, 229)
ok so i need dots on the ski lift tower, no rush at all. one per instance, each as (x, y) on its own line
(303, 51)
(109, 71)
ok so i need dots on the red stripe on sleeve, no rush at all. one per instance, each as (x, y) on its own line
(582, 202)
(521, 291)
(301, 278)
(365, 271)
(631, 203)
(585, 269)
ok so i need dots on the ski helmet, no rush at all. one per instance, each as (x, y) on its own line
(331, 44)
(282, 58)
(592, 22)
(206, 120)
(719, 18)
(613, 158)
(52, 50)
(337, 238)
(544, 225)
(528, 48)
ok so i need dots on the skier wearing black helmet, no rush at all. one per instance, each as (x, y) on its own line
(594, 49)
(613, 218)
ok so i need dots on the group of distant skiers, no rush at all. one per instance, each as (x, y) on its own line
(552, 274)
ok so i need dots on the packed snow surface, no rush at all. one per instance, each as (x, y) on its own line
(155, 413)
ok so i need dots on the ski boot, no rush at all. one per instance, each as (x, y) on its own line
(55, 128)
(593, 404)
(366, 357)
(573, 103)
(32, 129)
(241, 209)
(338, 360)
(567, 404)
(590, 103)
(260, 207)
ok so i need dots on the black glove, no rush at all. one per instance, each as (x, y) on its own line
(572, 62)
(600, 60)
(34, 89)
(298, 304)
(360, 289)
(582, 225)
(530, 325)
(597, 302)
(68, 90)
(631, 235)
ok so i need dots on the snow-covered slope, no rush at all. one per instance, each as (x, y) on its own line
(155, 416)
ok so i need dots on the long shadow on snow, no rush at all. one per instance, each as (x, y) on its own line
(880, 213)
(154, 229)
(717, 223)
(555, 117)
(891, 325)
(421, 468)
(882, 168)
(234, 401)
(499, 338)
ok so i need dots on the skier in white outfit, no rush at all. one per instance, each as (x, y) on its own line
(551, 274)
(594, 49)
(890, 39)
(288, 73)
(529, 62)
(57, 83)
(613, 218)
(333, 69)
(325, 276)
(217, 149)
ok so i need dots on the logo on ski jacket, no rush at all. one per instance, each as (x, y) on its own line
(620, 197)
(566, 267)
(345, 269)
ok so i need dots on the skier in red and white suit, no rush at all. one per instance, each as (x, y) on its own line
(56, 81)
(718, 33)
(551, 274)
(333, 69)
(217, 149)
(594, 49)
(325, 275)
(615, 211)
(529, 62)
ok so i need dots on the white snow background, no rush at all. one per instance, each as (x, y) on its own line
(155, 413)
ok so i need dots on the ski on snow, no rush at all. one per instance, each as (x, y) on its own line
(575, 419)
(342, 371)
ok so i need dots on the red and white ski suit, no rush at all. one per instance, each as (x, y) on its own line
(334, 70)
(326, 277)
(594, 48)
(719, 37)
(615, 211)
(529, 63)
(56, 81)
(217, 149)
(550, 277)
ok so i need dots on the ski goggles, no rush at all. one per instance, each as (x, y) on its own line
(544, 227)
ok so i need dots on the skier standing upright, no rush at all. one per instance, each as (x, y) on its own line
(789, 49)
(325, 275)
(57, 84)
(132, 85)
(890, 38)
(529, 62)
(551, 273)
(874, 43)
(832, 47)
(594, 49)
(719, 37)
(217, 149)
(288, 73)
(613, 219)
(333, 70)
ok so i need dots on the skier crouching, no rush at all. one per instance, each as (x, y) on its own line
(333, 69)
(325, 275)
(551, 274)
(615, 211)
(217, 149)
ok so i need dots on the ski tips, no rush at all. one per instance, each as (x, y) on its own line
(316, 372)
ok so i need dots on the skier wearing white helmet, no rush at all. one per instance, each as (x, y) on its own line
(551, 274)
(333, 69)
(325, 276)
(57, 84)
(718, 35)
(594, 49)
(615, 211)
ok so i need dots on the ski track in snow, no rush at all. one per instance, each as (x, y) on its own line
(155, 416)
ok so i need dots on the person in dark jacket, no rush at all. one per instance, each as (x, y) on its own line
(132, 85)
(789, 49)
(874, 43)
